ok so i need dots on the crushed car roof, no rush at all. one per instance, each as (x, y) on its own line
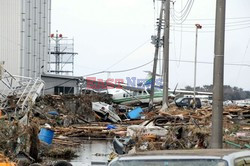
(196, 152)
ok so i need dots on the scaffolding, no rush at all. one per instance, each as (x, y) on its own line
(61, 55)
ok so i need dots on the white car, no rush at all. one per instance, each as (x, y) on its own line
(200, 157)
(106, 111)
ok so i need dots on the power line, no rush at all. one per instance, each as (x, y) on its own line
(69, 79)
(212, 25)
(128, 54)
(183, 8)
(119, 71)
(184, 12)
(233, 22)
(243, 60)
(180, 19)
(213, 19)
(134, 68)
(204, 62)
(231, 29)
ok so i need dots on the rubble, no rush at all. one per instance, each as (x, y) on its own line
(180, 128)
(61, 153)
(105, 111)
(5, 161)
(72, 117)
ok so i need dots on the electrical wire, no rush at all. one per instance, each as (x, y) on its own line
(229, 18)
(211, 25)
(60, 84)
(183, 9)
(128, 54)
(189, 31)
(181, 42)
(204, 62)
(180, 19)
(126, 70)
(231, 22)
(238, 75)
(183, 14)
(118, 71)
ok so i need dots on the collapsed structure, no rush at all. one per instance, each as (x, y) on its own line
(72, 116)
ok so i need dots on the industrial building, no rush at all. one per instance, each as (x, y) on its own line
(25, 46)
(61, 84)
(24, 31)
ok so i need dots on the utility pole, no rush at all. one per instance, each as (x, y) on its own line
(166, 55)
(198, 26)
(217, 113)
(157, 46)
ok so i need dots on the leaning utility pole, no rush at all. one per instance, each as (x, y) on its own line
(198, 26)
(166, 55)
(157, 46)
(217, 114)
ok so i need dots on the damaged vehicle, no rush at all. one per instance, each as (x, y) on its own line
(198, 157)
(105, 111)
(188, 102)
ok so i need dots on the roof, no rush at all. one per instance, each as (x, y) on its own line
(196, 152)
(61, 76)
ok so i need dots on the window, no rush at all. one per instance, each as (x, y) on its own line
(149, 91)
(64, 90)
(243, 161)
(173, 162)
(179, 100)
(184, 101)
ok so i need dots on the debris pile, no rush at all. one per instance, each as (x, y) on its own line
(67, 110)
(5, 161)
(187, 129)
(93, 116)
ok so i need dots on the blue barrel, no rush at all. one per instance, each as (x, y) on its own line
(46, 135)
(135, 113)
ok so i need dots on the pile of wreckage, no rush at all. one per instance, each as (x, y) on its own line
(54, 122)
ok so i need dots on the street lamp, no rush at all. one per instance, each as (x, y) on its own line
(198, 26)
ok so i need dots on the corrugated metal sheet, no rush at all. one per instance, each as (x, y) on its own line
(37, 32)
(24, 47)
(10, 42)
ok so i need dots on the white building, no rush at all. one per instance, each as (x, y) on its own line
(24, 31)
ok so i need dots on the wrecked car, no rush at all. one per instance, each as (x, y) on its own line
(204, 157)
(188, 102)
(105, 111)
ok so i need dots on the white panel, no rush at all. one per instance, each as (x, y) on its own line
(45, 32)
(10, 34)
(27, 43)
(23, 37)
(24, 31)
(39, 38)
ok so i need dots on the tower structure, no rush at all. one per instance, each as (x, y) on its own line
(62, 55)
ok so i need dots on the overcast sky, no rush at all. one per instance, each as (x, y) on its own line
(115, 35)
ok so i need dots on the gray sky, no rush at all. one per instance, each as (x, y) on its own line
(115, 35)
